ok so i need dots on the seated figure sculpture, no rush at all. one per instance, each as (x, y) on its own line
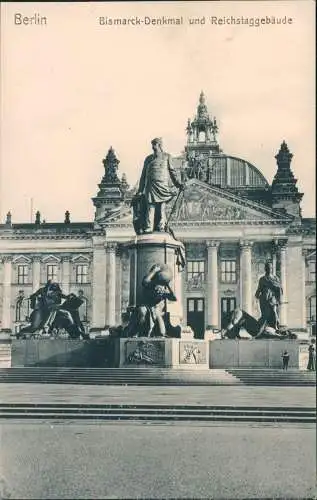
(49, 313)
(149, 318)
(269, 293)
(238, 319)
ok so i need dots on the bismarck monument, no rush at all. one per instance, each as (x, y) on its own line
(156, 257)
(156, 260)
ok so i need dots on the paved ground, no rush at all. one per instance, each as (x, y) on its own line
(213, 395)
(41, 460)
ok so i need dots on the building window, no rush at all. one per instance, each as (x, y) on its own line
(52, 272)
(21, 307)
(23, 273)
(81, 273)
(228, 271)
(312, 309)
(238, 177)
(312, 271)
(219, 171)
(196, 270)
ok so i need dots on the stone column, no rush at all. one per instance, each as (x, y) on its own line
(6, 292)
(246, 276)
(274, 255)
(283, 307)
(111, 283)
(176, 308)
(98, 284)
(178, 290)
(65, 281)
(36, 273)
(118, 288)
(212, 285)
(125, 280)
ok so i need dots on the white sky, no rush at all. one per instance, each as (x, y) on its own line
(72, 88)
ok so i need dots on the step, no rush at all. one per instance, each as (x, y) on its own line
(154, 412)
(158, 382)
(159, 418)
(155, 406)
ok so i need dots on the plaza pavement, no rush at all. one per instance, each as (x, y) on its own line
(250, 396)
(66, 460)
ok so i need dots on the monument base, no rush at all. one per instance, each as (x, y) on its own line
(162, 249)
(58, 353)
(161, 352)
(157, 352)
(227, 353)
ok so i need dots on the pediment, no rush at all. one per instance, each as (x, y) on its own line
(22, 259)
(203, 203)
(51, 258)
(81, 258)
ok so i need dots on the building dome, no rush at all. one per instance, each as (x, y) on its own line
(204, 160)
(227, 172)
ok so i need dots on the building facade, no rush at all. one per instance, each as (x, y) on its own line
(230, 219)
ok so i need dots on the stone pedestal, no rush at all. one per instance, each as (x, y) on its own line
(162, 352)
(147, 250)
(266, 353)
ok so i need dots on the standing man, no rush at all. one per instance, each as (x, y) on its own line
(285, 358)
(269, 293)
(154, 186)
(311, 358)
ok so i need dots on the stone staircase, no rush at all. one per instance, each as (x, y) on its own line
(274, 377)
(147, 376)
(5, 354)
(157, 413)
(117, 376)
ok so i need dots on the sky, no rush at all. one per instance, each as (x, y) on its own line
(72, 88)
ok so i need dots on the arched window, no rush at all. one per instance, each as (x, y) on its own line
(202, 136)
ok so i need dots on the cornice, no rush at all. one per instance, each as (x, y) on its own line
(44, 237)
(193, 224)
(6, 258)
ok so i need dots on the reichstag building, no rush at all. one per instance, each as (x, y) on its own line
(230, 218)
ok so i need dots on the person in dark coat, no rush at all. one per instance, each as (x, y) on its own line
(285, 358)
(311, 358)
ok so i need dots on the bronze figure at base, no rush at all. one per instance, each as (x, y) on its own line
(149, 318)
(269, 294)
(50, 314)
(257, 329)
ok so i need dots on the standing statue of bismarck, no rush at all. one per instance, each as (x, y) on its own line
(154, 190)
